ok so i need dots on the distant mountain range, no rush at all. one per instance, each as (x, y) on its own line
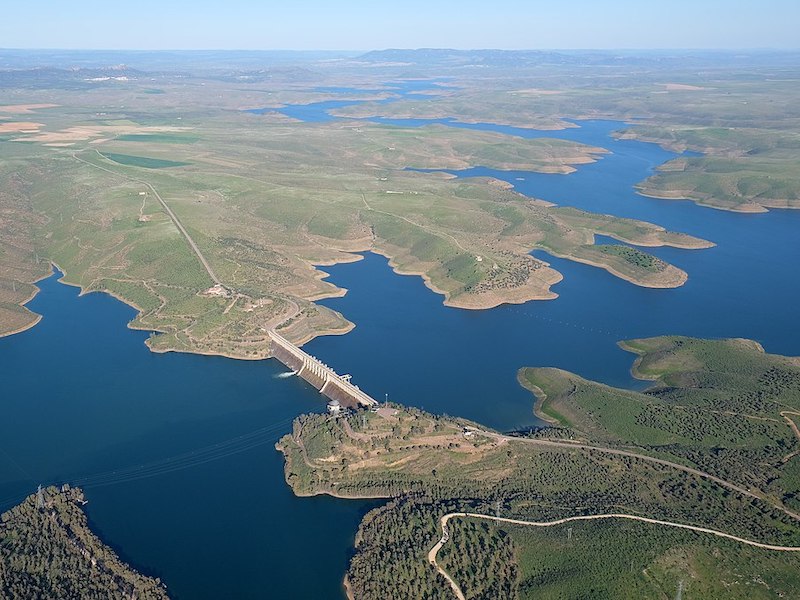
(161, 60)
(525, 58)
(76, 68)
(69, 78)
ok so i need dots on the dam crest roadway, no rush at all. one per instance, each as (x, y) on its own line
(321, 376)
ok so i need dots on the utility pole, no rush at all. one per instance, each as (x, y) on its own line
(569, 534)
(497, 508)
(39, 497)
(679, 595)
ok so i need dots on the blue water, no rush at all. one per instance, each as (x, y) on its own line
(313, 112)
(319, 112)
(607, 185)
(82, 396)
(464, 362)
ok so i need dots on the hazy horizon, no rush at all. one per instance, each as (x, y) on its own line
(350, 25)
(357, 51)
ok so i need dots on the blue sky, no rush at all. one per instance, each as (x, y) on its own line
(375, 24)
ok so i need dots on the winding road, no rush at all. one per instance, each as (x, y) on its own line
(446, 536)
(644, 457)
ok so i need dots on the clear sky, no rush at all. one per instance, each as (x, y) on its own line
(377, 24)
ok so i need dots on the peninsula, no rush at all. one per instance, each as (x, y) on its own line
(214, 227)
(703, 462)
(48, 551)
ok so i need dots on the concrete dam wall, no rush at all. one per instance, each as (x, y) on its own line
(318, 374)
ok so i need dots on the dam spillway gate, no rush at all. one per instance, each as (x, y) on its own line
(321, 376)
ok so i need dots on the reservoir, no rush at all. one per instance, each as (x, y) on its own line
(176, 452)
(465, 362)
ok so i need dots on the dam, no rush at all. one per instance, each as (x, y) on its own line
(321, 376)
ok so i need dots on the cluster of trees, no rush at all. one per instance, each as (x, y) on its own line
(481, 558)
(626, 560)
(717, 405)
(48, 551)
(392, 543)
(540, 484)
(700, 409)
(512, 273)
(393, 540)
(635, 257)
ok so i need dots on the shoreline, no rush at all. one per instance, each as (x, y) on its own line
(634, 370)
(24, 327)
(531, 291)
(751, 208)
(62, 279)
(347, 589)
(637, 374)
(477, 304)
(557, 124)
(539, 399)
(334, 494)
(683, 276)
(698, 244)
(33, 294)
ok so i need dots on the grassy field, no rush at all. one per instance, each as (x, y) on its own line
(647, 561)
(20, 264)
(161, 138)
(723, 406)
(636, 257)
(266, 201)
(745, 170)
(142, 161)
(711, 445)
(743, 117)
(610, 559)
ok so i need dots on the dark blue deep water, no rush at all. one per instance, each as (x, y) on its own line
(409, 345)
(83, 396)
(83, 400)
